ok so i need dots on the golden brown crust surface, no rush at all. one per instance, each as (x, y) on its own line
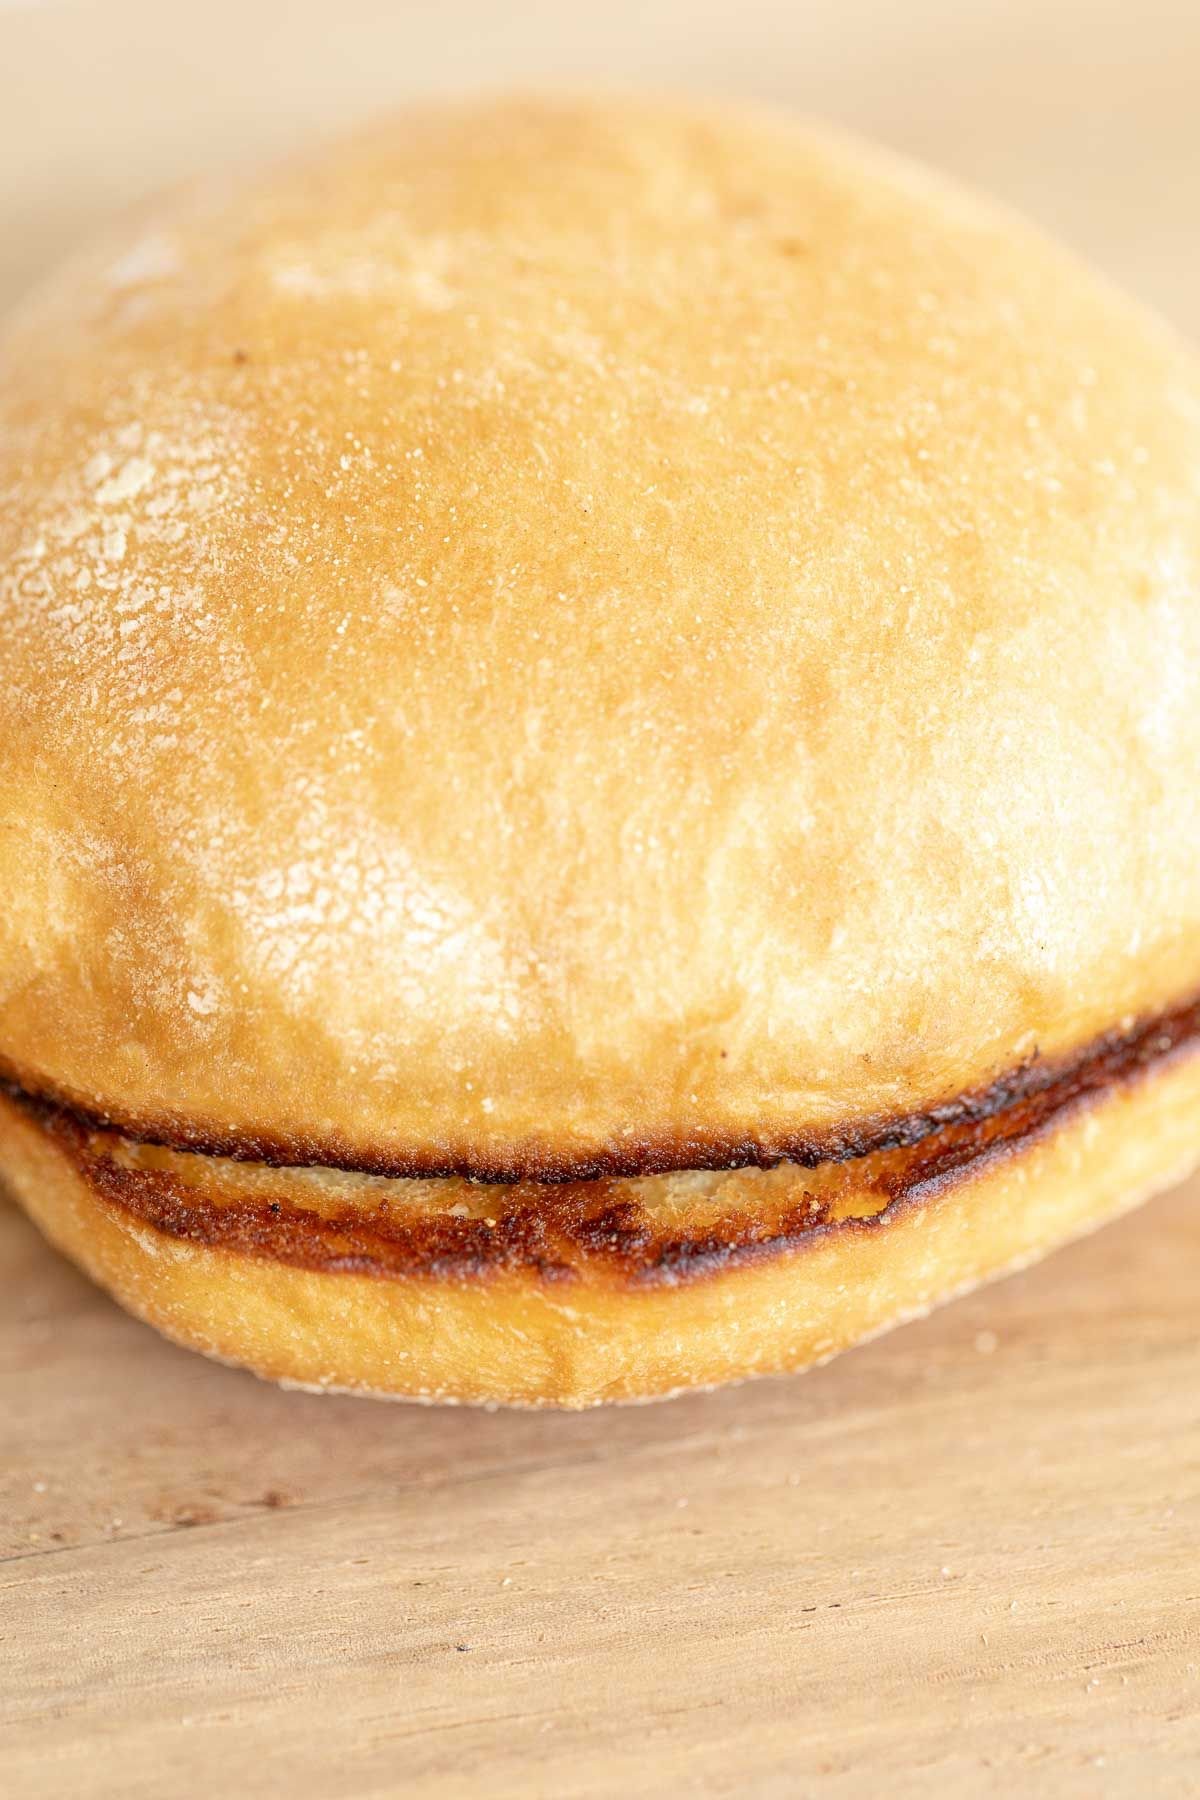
(562, 636)
(643, 1230)
(953, 1133)
(605, 1290)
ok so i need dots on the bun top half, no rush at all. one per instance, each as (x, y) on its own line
(553, 636)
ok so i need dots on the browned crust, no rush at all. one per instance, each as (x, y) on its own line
(557, 1232)
(1046, 1082)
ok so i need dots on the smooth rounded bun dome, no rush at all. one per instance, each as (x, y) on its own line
(575, 644)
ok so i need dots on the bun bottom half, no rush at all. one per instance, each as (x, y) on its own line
(601, 1291)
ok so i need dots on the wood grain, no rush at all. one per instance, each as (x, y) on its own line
(961, 1561)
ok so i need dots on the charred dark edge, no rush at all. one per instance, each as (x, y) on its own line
(1105, 1059)
(556, 1232)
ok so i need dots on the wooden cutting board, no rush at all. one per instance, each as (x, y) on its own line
(962, 1561)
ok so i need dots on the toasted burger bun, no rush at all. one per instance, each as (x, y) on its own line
(615, 1289)
(571, 646)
